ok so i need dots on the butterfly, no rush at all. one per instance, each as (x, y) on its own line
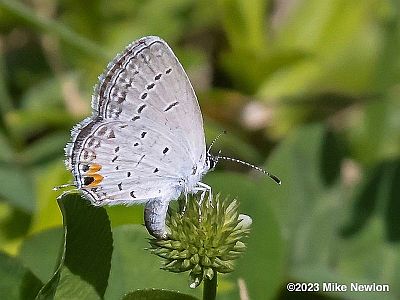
(144, 142)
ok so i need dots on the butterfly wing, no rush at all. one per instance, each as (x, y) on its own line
(145, 137)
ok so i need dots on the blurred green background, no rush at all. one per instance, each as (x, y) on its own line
(308, 89)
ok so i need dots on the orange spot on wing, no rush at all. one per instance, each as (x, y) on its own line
(93, 168)
(97, 179)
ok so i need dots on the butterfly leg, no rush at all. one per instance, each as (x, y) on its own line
(204, 188)
(185, 204)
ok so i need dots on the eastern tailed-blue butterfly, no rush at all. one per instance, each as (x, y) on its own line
(144, 142)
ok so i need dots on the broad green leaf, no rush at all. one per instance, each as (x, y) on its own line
(19, 188)
(85, 262)
(40, 252)
(374, 132)
(6, 151)
(155, 294)
(391, 212)
(14, 224)
(367, 257)
(312, 215)
(133, 267)
(5, 103)
(298, 155)
(47, 213)
(309, 213)
(378, 195)
(71, 286)
(121, 214)
(262, 264)
(363, 258)
(16, 281)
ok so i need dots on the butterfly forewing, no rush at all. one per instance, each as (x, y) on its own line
(146, 133)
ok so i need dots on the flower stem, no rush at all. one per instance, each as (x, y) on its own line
(210, 288)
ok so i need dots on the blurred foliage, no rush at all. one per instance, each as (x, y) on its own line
(311, 85)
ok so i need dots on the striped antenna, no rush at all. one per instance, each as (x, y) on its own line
(216, 139)
(272, 176)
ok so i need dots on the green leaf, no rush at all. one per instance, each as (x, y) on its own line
(121, 214)
(24, 122)
(298, 155)
(133, 267)
(378, 195)
(244, 23)
(311, 216)
(6, 151)
(374, 135)
(48, 148)
(155, 294)
(19, 190)
(332, 154)
(48, 214)
(40, 252)
(85, 262)
(6, 102)
(14, 225)
(16, 282)
(57, 29)
(46, 93)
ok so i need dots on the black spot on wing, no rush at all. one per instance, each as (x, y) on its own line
(165, 150)
(150, 86)
(156, 170)
(171, 106)
(143, 134)
(120, 186)
(141, 107)
(88, 180)
(157, 77)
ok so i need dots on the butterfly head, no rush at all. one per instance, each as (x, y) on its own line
(211, 160)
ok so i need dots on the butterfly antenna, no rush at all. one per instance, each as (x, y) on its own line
(216, 139)
(272, 176)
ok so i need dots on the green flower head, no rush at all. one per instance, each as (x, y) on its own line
(205, 239)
